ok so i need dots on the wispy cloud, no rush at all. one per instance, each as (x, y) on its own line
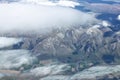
(15, 58)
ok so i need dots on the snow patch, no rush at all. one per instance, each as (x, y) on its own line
(96, 71)
(94, 30)
(105, 23)
(6, 41)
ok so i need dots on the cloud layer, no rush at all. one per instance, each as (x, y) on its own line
(20, 18)
(15, 58)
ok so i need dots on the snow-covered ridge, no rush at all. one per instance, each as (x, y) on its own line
(96, 71)
(90, 73)
(50, 69)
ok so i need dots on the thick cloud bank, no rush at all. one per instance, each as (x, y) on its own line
(27, 17)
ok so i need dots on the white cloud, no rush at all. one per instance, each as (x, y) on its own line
(15, 58)
(105, 23)
(65, 3)
(96, 71)
(21, 18)
(6, 41)
(68, 3)
(118, 17)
